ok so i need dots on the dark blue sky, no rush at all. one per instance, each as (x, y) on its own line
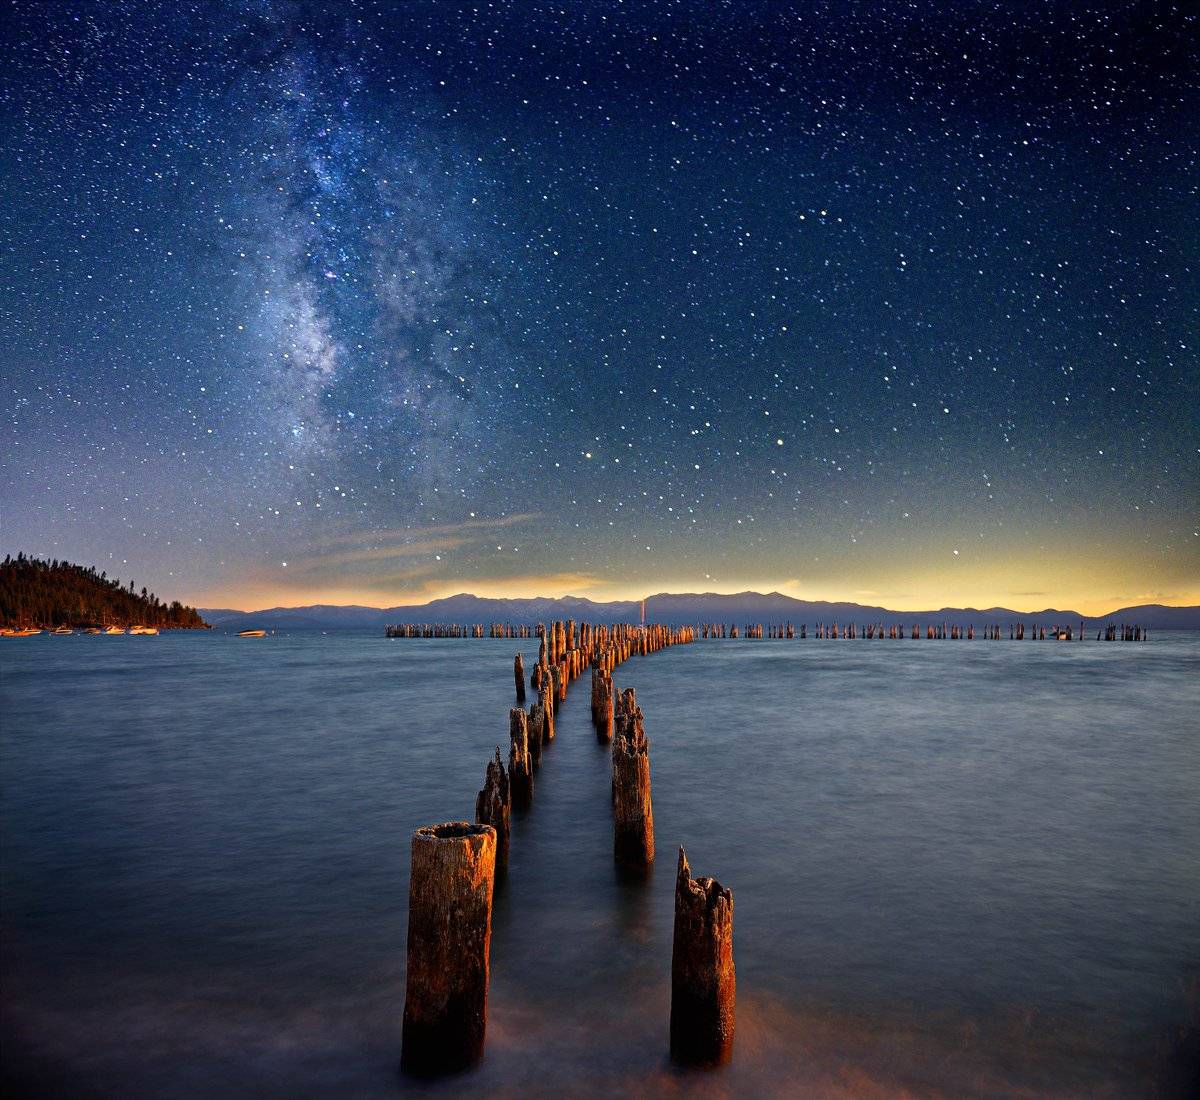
(890, 300)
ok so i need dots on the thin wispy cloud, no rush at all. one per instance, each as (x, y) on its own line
(388, 536)
(407, 565)
(372, 554)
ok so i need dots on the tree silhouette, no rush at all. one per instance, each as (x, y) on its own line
(53, 593)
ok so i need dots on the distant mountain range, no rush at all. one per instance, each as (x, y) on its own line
(675, 609)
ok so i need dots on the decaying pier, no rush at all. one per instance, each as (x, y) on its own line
(454, 866)
(569, 654)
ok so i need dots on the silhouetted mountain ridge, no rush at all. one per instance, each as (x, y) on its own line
(677, 608)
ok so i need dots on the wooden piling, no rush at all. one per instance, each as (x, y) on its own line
(703, 985)
(547, 702)
(536, 725)
(493, 805)
(520, 763)
(633, 815)
(449, 936)
(602, 702)
(519, 676)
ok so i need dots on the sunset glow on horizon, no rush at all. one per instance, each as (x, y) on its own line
(386, 579)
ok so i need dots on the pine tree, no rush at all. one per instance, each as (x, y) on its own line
(54, 593)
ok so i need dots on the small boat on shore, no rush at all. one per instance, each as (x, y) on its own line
(21, 632)
(252, 634)
(94, 630)
(62, 630)
(143, 630)
(115, 630)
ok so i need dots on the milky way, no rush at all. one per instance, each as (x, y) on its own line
(855, 299)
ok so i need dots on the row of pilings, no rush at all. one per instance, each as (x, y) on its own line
(454, 865)
(459, 630)
(1123, 632)
(942, 631)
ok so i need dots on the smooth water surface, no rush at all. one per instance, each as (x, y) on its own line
(959, 868)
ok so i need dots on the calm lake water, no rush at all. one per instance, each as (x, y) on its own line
(959, 868)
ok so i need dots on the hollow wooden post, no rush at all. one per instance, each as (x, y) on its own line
(519, 676)
(633, 815)
(492, 807)
(449, 935)
(703, 986)
(520, 762)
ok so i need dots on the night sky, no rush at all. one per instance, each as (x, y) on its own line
(378, 301)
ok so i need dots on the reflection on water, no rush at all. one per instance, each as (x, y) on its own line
(959, 869)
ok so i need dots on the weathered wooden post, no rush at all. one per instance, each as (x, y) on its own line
(536, 725)
(633, 815)
(547, 701)
(520, 763)
(703, 986)
(449, 935)
(602, 703)
(492, 807)
(519, 676)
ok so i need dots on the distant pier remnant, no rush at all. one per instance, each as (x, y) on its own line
(520, 760)
(449, 936)
(519, 676)
(703, 986)
(633, 816)
(493, 807)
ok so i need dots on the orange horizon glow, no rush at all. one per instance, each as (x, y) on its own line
(479, 555)
(557, 586)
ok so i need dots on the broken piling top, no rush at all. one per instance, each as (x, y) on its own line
(630, 725)
(449, 938)
(703, 982)
(706, 894)
(496, 779)
(493, 807)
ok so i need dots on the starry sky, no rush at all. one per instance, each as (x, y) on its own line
(374, 301)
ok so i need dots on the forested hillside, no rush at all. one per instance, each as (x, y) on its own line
(57, 593)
